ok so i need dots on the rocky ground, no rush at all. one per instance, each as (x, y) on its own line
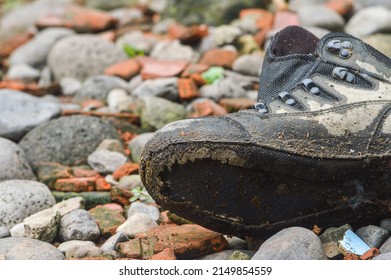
(84, 85)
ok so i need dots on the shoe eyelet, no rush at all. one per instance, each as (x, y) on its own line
(261, 108)
(287, 98)
(345, 53)
(315, 91)
(334, 46)
(343, 74)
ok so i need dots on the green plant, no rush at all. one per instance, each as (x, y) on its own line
(132, 51)
(141, 194)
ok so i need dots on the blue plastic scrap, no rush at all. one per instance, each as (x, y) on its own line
(353, 244)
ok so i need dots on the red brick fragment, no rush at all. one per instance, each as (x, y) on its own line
(76, 184)
(194, 69)
(219, 57)
(191, 35)
(8, 45)
(343, 7)
(153, 68)
(125, 69)
(187, 89)
(102, 185)
(284, 19)
(166, 254)
(126, 169)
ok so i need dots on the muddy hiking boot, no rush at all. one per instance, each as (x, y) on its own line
(316, 148)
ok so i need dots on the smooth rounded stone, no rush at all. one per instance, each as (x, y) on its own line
(130, 181)
(98, 87)
(137, 40)
(135, 82)
(139, 207)
(113, 145)
(66, 206)
(25, 16)
(20, 112)
(295, 5)
(386, 224)
(359, 4)
(247, 25)
(320, 16)
(84, 252)
(225, 88)
(35, 51)
(334, 234)
(23, 248)
(66, 140)
(173, 50)
(381, 42)
(13, 162)
(23, 72)
(156, 112)
(18, 230)
(293, 243)
(111, 243)
(118, 100)
(164, 87)
(248, 64)
(225, 34)
(82, 56)
(161, 27)
(78, 225)
(136, 145)
(386, 247)
(137, 223)
(20, 199)
(45, 78)
(42, 225)
(110, 179)
(64, 247)
(381, 257)
(126, 16)
(4, 232)
(229, 255)
(377, 20)
(156, 6)
(373, 236)
(106, 5)
(70, 86)
(105, 161)
(236, 242)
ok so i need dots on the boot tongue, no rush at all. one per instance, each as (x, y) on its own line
(294, 40)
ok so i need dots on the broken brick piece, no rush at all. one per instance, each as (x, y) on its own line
(191, 35)
(370, 254)
(219, 57)
(8, 45)
(126, 69)
(166, 254)
(108, 220)
(83, 173)
(194, 69)
(187, 89)
(125, 169)
(343, 7)
(284, 19)
(102, 185)
(49, 172)
(207, 108)
(153, 68)
(120, 195)
(75, 184)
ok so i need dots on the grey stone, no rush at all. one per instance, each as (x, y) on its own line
(248, 64)
(137, 223)
(236, 242)
(66, 140)
(126, 16)
(23, 72)
(229, 255)
(386, 247)
(118, 100)
(325, 17)
(139, 207)
(137, 143)
(162, 26)
(42, 225)
(98, 87)
(377, 20)
(381, 257)
(130, 181)
(21, 112)
(156, 6)
(137, 40)
(25, 16)
(4, 232)
(64, 247)
(106, 5)
(78, 225)
(334, 233)
(164, 87)
(386, 224)
(225, 34)
(18, 230)
(373, 236)
(157, 112)
(70, 86)
(82, 56)
(225, 88)
(23, 248)
(332, 251)
(173, 50)
(247, 25)
(295, 5)
(84, 252)
(20, 199)
(111, 243)
(67, 206)
(293, 243)
(135, 82)
(45, 78)
(105, 161)
(13, 162)
(113, 145)
(35, 51)
(381, 42)
(359, 4)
